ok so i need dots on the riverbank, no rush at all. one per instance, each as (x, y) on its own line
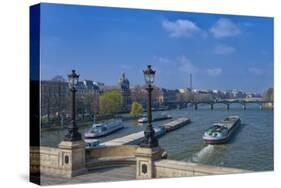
(87, 123)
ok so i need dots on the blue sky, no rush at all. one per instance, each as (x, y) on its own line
(221, 51)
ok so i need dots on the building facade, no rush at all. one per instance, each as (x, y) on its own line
(55, 99)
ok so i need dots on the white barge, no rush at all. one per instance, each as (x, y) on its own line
(103, 129)
(221, 132)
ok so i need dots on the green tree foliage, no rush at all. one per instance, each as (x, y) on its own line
(269, 95)
(91, 102)
(110, 102)
(136, 109)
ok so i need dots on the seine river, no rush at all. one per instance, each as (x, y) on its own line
(251, 148)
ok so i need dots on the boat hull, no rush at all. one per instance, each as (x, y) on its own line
(103, 134)
(224, 139)
(110, 130)
(155, 119)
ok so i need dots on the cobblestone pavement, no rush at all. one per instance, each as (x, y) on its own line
(101, 175)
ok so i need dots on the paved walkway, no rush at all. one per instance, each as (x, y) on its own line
(101, 175)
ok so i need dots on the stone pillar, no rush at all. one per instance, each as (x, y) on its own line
(144, 159)
(72, 158)
(195, 106)
(227, 106)
(212, 106)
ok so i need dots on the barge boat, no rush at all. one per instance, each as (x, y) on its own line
(103, 129)
(160, 118)
(221, 132)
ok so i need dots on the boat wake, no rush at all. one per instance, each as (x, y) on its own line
(203, 154)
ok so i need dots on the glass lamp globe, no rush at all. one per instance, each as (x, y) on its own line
(73, 79)
(149, 75)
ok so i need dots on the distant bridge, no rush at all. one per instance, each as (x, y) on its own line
(226, 102)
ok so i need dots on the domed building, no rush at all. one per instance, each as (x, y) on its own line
(125, 92)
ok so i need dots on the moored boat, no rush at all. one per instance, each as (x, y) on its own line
(221, 132)
(103, 129)
(159, 118)
(159, 131)
(142, 120)
(91, 143)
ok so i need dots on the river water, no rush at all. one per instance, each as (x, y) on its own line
(251, 148)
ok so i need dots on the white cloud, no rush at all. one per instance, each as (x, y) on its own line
(248, 24)
(224, 50)
(214, 72)
(255, 71)
(181, 28)
(225, 28)
(183, 63)
(163, 60)
(186, 66)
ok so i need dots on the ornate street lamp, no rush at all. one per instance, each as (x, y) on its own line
(73, 134)
(150, 140)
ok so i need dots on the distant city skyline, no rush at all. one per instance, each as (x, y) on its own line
(117, 84)
(221, 51)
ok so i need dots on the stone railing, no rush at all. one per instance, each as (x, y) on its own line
(71, 159)
(170, 168)
(112, 151)
(67, 160)
(109, 156)
(44, 159)
(61, 161)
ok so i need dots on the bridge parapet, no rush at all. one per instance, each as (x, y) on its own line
(60, 162)
(50, 161)
(170, 168)
(67, 160)
(45, 160)
(111, 151)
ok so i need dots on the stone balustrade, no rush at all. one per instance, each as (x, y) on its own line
(112, 156)
(44, 159)
(61, 162)
(170, 168)
(111, 152)
(56, 161)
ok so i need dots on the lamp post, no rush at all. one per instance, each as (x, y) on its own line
(73, 134)
(150, 141)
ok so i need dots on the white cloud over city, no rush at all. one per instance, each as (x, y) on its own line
(255, 71)
(181, 28)
(222, 49)
(185, 65)
(214, 72)
(225, 28)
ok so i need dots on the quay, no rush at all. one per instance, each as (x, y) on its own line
(137, 138)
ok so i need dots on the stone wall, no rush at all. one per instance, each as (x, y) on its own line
(111, 152)
(170, 168)
(44, 160)
(52, 161)
(110, 156)
(67, 160)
